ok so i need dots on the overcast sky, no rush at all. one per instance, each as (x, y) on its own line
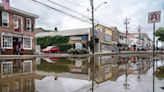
(111, 14)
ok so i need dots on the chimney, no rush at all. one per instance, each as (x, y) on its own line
(56, 29)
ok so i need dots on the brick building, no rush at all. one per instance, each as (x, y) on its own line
(16, 31)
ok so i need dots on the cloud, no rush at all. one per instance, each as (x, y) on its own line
(111, 14)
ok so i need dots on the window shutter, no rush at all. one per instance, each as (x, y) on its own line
(32, 24)
(0, 18)
(24, 24)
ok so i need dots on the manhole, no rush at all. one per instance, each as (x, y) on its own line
(162, 88)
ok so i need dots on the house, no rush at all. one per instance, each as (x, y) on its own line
(17, 30)
(122, 43)
(142, 42)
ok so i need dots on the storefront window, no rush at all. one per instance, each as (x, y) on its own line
(27, 43)
(7, 41)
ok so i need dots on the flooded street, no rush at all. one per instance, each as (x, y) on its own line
(87, 74)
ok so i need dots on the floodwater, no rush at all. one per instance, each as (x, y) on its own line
(87, 74)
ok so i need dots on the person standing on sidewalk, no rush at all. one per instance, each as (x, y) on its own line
(17, 50)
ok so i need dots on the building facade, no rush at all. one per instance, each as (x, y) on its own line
(16, 31)
(122, 45)
(141, 41)
(103, 37)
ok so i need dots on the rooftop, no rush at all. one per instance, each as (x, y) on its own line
(18, 11)
(82, 31)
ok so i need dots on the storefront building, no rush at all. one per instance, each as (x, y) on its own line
(83, 36)
(104, 37)
(16, 31)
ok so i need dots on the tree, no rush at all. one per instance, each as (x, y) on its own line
(160, 33)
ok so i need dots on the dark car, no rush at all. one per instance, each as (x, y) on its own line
(51, 49)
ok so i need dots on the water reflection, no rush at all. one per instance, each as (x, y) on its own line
(17, 75)
(86, 74)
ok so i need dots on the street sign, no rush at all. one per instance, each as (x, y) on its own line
(154, 17)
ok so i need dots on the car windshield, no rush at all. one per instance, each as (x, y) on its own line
(50, 47)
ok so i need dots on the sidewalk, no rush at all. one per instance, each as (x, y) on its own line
(83, 55)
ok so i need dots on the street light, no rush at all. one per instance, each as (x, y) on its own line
(100, 5)
(95, 9)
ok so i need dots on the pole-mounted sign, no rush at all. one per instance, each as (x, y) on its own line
(154, 17)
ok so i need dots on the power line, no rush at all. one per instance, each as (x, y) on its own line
(68, 9)
(61, 11)
(67, 20)
(107, 17)
(76, 4)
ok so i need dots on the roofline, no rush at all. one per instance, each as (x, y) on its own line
(20, 11)
(103, 26)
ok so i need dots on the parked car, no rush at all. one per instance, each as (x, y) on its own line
(51, 49)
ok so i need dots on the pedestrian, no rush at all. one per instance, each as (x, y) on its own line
(17, 50)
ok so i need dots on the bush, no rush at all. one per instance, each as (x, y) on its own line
(50, 40)
(64, 47)
(78, 51)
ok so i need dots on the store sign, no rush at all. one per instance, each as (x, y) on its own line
(84, 37)
(96, 33)
(75, 38)
(107, 38)
(78, 46)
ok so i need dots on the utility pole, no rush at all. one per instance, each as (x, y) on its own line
(126, 27)
(93, 25)
(93, 42)
(139, 34)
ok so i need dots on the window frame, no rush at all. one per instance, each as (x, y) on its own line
(28, 25)
(24, 44)
(27, 69)
(8, 73)
(11, 40)
(21, 26)
(7, 18)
